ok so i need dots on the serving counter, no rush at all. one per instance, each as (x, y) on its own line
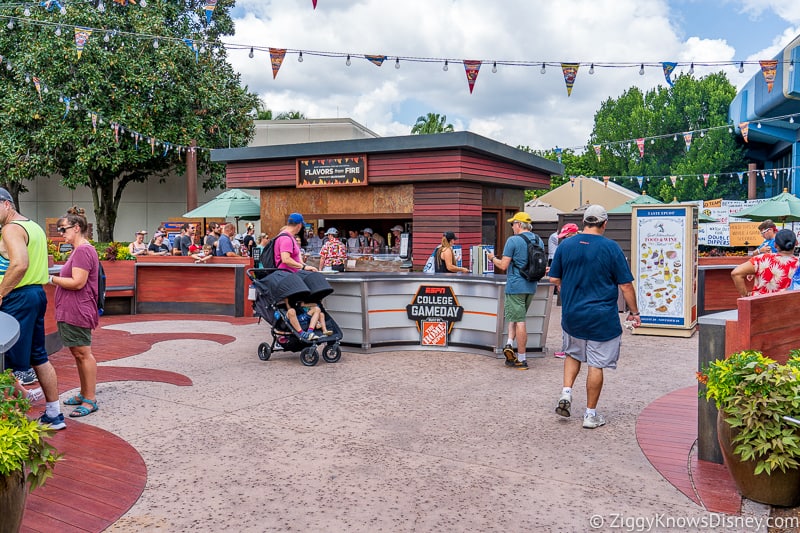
(380, 311)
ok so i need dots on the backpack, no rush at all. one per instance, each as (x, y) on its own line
(536, 265)
(101, 288)
(267, 258)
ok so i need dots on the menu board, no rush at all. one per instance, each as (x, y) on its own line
(664, 266)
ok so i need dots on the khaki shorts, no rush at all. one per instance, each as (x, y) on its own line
(594, 353)
(516, 307)
(74, 335)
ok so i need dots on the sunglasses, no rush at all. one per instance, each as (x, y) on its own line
(63, 229)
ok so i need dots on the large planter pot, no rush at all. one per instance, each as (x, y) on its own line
(12, 502)
(778, 488)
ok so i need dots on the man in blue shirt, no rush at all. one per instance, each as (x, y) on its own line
(589, 269)
(225, 242)
(768, 231)
(519, 291)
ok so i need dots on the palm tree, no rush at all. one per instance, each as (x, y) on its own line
(290, 115)
(262, 111)
(431, 123)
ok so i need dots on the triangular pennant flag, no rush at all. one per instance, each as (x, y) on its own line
(81, 38)
(94, 122)
(472, 68)
(376, 60)
(769, 69)
(687, 138)
(673, 179)
(66, 101)
(38, 84)
(605, 181)
(558, 153)
(166, 149)
(745, 127)
(136, 141)
(276, 56)
(570, 71)
(597, 151)
(705, 180)
(209, 9)
(572, 181)
(668, 67)
(741, 177)
(640, 179)
(115, 126)
(314, 3)
(194, 48)
(640, 144)
(764, 176)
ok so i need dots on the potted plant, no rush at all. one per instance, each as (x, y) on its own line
(24, 453)
(761, 450)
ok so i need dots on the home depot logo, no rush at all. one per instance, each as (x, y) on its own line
(434, 308)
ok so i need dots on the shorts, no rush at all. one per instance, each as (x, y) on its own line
(516, 307)
(594, 353)
(74, 335)
(27, 304)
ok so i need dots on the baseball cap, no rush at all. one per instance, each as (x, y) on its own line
(141, 232)
(332, 231)
(397, 227)
(568, 229)
(594, 214)
(158, 234)
(5, 196)
(450, 236)
(367, 230)
(785, 240)
(522, 216)
(296, 218)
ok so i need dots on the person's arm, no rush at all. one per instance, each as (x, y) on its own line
(447, 257)
(286, 258)
(499, 263)
(15, 238)
(75, 283)
(739, 275)
(629, 293)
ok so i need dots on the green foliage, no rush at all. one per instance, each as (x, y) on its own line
(163, 93)
(754, 392)
(22, 444)
(431, 123)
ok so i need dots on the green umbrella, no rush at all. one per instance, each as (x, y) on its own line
(783, 208)
(639, 200)
(234, 203)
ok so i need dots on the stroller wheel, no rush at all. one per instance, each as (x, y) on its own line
(309, 356)
(264, 351)
(332, 353)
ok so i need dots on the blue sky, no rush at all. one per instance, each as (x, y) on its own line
(517, 105)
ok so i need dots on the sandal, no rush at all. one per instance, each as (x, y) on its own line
(81, 410)
(75, 400)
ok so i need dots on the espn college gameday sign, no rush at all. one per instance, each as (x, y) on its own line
(434, 308)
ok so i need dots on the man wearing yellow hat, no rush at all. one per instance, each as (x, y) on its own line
(519, 291)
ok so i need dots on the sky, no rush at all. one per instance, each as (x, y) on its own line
(517, 105)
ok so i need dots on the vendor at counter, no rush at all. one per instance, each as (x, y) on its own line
(287, 251)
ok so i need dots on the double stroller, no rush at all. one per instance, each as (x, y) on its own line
(274, 289)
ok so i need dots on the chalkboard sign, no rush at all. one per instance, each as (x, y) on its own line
(64, 248)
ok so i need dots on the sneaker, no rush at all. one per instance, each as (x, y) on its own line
(521, 365)
(564, 404)
(308, 336)
(327, 332)
(26, 377)
(511, 356)
(57, 422)
(559, 355)
(591, 422)
(35, 395)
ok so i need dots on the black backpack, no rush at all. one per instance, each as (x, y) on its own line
(536, 266)
(101, 288)
(267, 258)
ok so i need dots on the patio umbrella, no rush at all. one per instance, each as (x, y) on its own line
(234, 203)
(783, 208)
(639, 200)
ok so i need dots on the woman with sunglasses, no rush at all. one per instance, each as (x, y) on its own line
(76, 306)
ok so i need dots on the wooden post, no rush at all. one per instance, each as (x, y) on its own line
(191, 176)
(751, 181)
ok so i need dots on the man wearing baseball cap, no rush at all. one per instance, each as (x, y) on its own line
(589, 270)
(519, 291)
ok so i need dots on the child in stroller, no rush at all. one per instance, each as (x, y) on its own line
(304, 318)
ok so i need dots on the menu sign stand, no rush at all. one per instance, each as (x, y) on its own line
(664, 265)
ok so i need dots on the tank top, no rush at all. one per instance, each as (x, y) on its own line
(36, 274)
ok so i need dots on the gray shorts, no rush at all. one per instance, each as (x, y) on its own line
(594, 353)
(74, 335)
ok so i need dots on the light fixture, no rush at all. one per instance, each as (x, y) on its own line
(791, 65)
(10, 24)
(591, 69)
(63, 10)
(758, 125)
(675, 137)
(300, 57)
(741, 67)
(251, 54)
(107, 37)
(691, 69)
(494, 67)
(143, 3)
(702, 134)
(791, 119)
(27, 79)
(652, 141)
(8, 65)
(348, 62)
(58, 31)
(101, 7)
(641, 70)
(26, 11)
(155, 43)
(397, 63)
(543, 69)
(445, 67)
(730, 129)
(202, 49)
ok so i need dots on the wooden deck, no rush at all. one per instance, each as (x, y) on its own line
(101, 475)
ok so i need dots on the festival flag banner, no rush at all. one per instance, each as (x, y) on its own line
(570, 71)
(376, 60)
(314, 3)
(471, 68)
(38, 84)
(640, 179)
(276, 56)
(209, 9)
(66, 100)
(194, 48)
(668, 67)
(744, 126)
(81, 38)
(115, 127)
(605, 181)
(687, 139)
(152, 146)
(741, 177)
(597, 151)
(640, 144)
(94, 122)
(673, 179)
(705, 180)
(769, 69)
(558, 153)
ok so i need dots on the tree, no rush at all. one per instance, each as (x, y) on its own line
(690, 106)
(262, 111)
(290, 115)
(431, 123)
(120, 112)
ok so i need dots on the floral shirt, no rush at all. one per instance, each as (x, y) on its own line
(773, 272)
(333, 252)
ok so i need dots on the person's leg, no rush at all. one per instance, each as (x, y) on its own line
(48, 380)
(594, 384)
(18, 304)
(522, 339)
(291, 314)
(87, 370)
(572, 368)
